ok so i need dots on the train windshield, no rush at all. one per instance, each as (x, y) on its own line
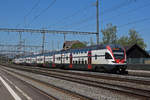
(118, 53)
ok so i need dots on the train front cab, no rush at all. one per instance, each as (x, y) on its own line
(116, 57)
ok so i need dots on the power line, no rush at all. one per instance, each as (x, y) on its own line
(123, 4)
(130, 11)
(142, 29)
(36, 4)
(88, 26)
(25, 17)
(83, 21)
(90, 18)
(44, 10)
(134, 22)
(62, 20)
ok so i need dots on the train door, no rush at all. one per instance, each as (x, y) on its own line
(89, 60)
(44, 61)
(64, 58)
(61, 59)
(53, 63)
(70, 66)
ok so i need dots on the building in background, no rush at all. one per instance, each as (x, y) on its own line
(68, 44)
(137, 55)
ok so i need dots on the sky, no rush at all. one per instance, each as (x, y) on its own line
(72, 15)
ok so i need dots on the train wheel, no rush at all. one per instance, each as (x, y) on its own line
(121, 71)
(116, 71)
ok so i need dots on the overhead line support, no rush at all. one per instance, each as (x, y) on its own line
(45, 31)
(97, 20)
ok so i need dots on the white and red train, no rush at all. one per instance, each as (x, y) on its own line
(110, 58)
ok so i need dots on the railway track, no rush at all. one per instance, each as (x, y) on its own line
(113, 83)
(139, 73)
(70, 94)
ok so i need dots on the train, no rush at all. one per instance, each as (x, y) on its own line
(102, 58)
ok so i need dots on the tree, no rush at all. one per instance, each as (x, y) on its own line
(133, 38)
(110, 37)
(78, 45)
(85, 42)
(124, 40)
(109, 34)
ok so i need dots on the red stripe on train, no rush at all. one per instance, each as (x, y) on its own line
(53, 64)
(70, 66)
(89, 60)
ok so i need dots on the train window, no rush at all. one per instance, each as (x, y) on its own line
(82, 62)
(95, 57)
(66, 58)
(76, 62)
(59, 58)
(85, 62)
(79, 62)
(108, 56)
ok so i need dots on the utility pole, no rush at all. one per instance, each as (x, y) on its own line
(58, 44)
(43, 42)
(91, 41)
(20, 38)
(20, 42)
(43, 45)
(24, 47)
(97, 20)
(52, 45)
(64, 37)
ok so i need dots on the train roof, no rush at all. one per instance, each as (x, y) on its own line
(85, 49)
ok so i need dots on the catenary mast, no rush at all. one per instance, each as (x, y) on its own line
(97, 20)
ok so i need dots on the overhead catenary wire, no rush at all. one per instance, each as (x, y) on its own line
(78, 23)
(25, 17)
(125, 3)
(145, 28)
(91, 26)
(44, 10)
(130, 11)
(34, 6)
(134, 22)
(63, 20)
(121, 5)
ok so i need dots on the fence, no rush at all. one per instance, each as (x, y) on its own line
(138, 60)
(138, 63)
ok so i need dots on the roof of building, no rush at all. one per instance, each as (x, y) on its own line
(132, 47)
(70, 43)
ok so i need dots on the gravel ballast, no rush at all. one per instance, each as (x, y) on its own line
(92, 92)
